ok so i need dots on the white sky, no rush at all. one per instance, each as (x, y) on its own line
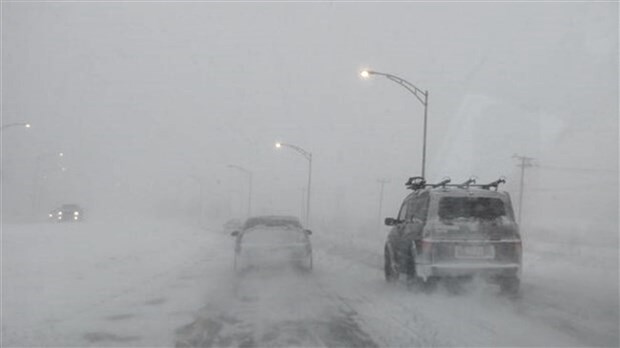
(143, 98)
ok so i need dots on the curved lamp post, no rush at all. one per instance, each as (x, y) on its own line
(422, 96)
(307, 155)
(249, 174)
(17, 124)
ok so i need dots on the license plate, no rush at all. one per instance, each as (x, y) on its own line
(474, 251)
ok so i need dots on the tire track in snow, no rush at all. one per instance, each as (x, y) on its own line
(373, 314)
(269, 308)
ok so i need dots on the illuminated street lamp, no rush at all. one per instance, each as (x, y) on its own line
(422, 96)
(249, 174)
(17, 124)
(307, 155)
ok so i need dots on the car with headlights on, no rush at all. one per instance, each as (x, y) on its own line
(270, 241)
(454, 231)
(67, 213)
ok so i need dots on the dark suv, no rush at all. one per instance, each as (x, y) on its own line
(454, 231)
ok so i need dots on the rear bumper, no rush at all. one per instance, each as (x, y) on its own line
(469, 269)
(259, 254)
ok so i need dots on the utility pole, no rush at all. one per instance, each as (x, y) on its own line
(524, 162)
(303, 201)
(382, 183)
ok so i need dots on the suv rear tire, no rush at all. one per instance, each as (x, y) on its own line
(391, 272)
(510, 285)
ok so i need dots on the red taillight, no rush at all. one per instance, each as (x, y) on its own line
(518, 249)
(426, 246)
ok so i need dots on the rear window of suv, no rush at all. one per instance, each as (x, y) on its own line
(271, 222)
(484, 208)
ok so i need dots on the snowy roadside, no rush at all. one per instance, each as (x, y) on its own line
(103, 284)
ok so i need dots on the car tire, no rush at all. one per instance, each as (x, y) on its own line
(412, 276)
(430, 285)
(391, 272)
(454, 285)
(510, 285)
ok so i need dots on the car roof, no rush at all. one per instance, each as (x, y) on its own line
(275, 218)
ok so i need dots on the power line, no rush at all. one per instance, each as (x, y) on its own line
(577, 169)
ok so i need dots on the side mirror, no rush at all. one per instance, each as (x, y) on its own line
(308, 232)
(390, 221)
(234, 233)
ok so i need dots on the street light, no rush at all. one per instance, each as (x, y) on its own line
(422, 96)
(307, 155)
(249, 173)
(17, 124)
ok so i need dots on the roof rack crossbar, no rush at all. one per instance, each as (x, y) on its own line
(468, 183)
(493, 184)
(417, 183)
(442, 183)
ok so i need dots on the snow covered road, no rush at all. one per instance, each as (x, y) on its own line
(163, 283)
(92, 284)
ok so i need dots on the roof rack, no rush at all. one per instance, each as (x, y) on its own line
(445, 181)
(418, 183)
(493, 184)
(468, 182)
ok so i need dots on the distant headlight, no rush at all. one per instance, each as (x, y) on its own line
(60, 217)
(51, 215)
(76, 213)
(59, 213)
(75, 218)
